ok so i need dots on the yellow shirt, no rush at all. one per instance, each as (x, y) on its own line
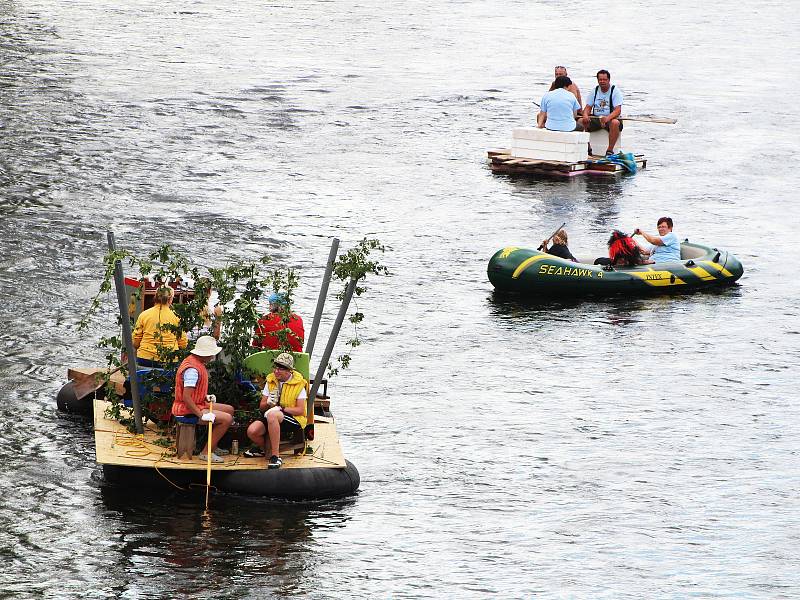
(150, 334)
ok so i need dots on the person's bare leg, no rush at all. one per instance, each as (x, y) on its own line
(257, 434)
(613, 134)
(274, 430)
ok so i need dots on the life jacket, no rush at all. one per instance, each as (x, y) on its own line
(290, 390)
(179, 407)
(622, 250)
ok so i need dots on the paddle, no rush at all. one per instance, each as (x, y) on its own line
(552, 236)
(85, 383)
(646, 119)
(642, 118)
(211, 399)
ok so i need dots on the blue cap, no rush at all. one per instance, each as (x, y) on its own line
(277, 298)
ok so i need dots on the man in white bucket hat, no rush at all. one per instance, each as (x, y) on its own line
(191, 394)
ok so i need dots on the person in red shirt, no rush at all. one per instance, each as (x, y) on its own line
(266, 335)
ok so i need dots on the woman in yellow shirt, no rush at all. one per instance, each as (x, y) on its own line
(151, 338)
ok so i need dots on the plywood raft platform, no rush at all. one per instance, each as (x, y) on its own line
(501, 161)
(115, 445)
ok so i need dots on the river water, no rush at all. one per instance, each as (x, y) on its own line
(623, 449)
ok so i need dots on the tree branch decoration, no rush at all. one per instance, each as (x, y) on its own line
(240, 286)
(356, 264)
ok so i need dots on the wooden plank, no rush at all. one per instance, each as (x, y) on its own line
(115, 445)
(117, 378)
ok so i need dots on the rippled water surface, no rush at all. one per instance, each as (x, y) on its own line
(633, 448)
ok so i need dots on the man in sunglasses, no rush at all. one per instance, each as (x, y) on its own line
(284, 402)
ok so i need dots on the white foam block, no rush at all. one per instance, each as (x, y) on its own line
(570, 157)
(599, 141)
(534, 133)
(544, 145)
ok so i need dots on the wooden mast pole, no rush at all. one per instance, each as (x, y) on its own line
(127, 336)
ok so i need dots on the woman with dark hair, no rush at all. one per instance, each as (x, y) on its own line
(559, 107)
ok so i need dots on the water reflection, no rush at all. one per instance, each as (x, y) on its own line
(589, 200)
(240, 539)
(615, 310)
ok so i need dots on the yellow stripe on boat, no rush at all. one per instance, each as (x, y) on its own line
(658, 278)
(506, 251)
(719, 267)
(702, 273)
(528, 262)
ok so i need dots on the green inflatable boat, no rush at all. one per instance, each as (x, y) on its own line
(535, 273)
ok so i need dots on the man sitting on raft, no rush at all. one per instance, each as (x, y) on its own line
(191, 389)
(561, 71)
(603, 109)
(665, 246)
(284, 399)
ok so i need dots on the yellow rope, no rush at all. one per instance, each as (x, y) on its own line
(139, 449)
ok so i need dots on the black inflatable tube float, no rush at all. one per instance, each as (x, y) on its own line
(292, 484)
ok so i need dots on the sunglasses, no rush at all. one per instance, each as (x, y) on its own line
(280, 367)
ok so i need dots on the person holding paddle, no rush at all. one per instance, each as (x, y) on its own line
(603, 110)
(665, 246)
(191, 394)
(559, 247)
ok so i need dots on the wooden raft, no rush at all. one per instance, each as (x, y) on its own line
(115, 445)
(501, 161)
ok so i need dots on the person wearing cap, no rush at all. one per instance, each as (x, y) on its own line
(154, 334)
(284, 400)
(191, 394)
(267, 334)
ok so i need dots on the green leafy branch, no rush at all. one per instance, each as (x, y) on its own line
(356, 264)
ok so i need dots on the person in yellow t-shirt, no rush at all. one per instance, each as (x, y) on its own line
(151, 336)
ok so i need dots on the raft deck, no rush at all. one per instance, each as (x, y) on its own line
(115, 445)
(501, 161)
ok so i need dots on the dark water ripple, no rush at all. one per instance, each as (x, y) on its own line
(633, 448)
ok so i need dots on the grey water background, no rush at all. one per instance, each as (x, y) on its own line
(616, 449)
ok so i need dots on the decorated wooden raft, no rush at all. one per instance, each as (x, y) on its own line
(318, 471)
(534, 273)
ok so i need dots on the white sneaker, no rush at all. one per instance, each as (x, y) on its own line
(214, 458)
